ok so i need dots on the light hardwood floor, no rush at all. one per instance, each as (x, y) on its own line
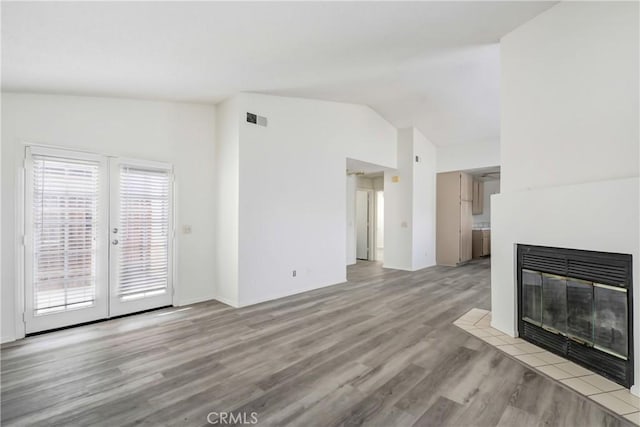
(378, 350)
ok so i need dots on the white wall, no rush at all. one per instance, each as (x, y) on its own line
(352, 183)
(293, 192)
(227, 173)
(490, 188)
(467, 156)
(378, 183)
(182, 134)
(409, 219)
(569, 100)
(424, 202)
(398, 207)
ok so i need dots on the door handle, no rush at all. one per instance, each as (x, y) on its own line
(114, 241)
(115, 230)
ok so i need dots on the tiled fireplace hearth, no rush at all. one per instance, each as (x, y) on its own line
(612, 396)
(578, 305)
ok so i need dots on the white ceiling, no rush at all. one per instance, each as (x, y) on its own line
(433, 65)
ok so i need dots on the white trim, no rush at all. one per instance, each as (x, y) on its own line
(195, 300)
(392, 267)
(40, 150)
(228, 302)
(149, 164)
(286, 294)
(176, 290)
(19, 248)
(4, 340)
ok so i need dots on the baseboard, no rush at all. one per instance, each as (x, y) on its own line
(4, 340)
(511, 332)
(392, 267)
(300, 291)
(226, 301)
(195, 300)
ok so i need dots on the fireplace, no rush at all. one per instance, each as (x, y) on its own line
(578, 304)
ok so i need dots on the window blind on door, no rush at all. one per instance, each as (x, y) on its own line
(65, 225)
(144, 232)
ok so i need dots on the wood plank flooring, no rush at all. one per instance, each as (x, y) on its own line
(378, 350)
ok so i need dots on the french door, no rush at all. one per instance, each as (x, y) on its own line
(98, 237)
(140, 232)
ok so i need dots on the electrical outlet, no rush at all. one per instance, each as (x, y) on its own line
(186, 229)
(294, 273)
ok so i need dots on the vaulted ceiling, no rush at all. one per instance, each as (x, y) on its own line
(433, 65)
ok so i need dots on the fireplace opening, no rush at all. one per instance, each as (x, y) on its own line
(578, 304)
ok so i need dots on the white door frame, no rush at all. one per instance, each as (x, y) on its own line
(371, 226)
(375, 224)
(20, 229)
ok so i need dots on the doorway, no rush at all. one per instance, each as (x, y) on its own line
(98, 237)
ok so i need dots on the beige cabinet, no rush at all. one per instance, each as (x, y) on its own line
(454, 197)
(481, 243)
(478, 197)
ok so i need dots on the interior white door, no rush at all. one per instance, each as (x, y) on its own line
(362, 224)
(66, 238)
(141, 234)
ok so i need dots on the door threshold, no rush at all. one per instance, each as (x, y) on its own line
(33, 334)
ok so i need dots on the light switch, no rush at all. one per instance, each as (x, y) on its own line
(186, 229)
(395, 178)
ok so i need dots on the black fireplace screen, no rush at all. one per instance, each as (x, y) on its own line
(578, 304)
(588, 312)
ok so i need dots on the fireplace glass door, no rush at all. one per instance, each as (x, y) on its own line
(532, 298)
(554, 303)
(611, 319)
(580, 310)
(590, 313)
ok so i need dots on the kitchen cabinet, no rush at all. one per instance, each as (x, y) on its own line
(478, 197)
(481, 243)
(454, 195)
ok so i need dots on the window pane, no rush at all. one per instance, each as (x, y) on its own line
(65, 212)
(144, 224)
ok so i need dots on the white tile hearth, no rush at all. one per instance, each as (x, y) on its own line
(610, 395)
